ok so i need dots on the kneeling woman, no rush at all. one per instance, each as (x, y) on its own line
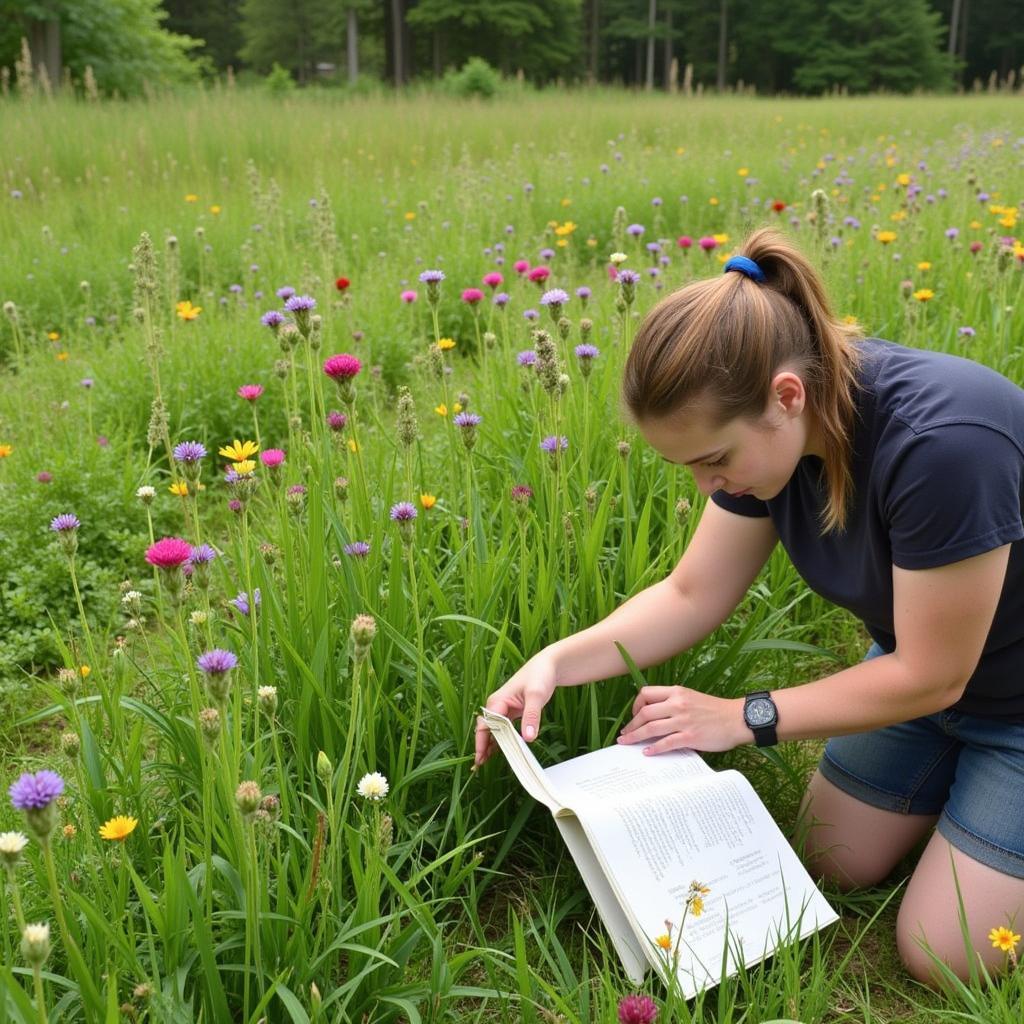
(894, 479)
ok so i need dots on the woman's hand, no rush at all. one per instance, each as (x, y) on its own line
(675, 717)
(524, 695)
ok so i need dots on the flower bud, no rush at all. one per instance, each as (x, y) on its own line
(35, 944)
(248, 797)
(267, 697)
(209, 724)
(324, 768)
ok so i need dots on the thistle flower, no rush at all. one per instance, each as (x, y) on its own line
(538, 275)
(66, 527)
(404, 513)
(12, 845)
(342, 369)
(273, 459)
(215, 665)
(408, 296)
(637, 1010)
(250, 392)
(36, 795)
(627, 283)
(472, 296)
(586, 354)
(502, 299)
(119, 828)
(553, 445)
(336, 420)
(357, 549)
(301, 307)
(266, 696)
(273, 319)
(527, 357)
(492, 279)
(554, 299)
(168, 553)
(341, 488)
(432, 279)
(467, 422)
(285, 292)
(189, 451)
(373, 786)
(241, 600)
(209, 724)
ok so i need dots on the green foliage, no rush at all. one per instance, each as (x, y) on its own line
(476, 78)
(279, 82)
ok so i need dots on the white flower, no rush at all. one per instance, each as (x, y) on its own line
(131, 596)
(617, 258)
(266, 692)
(36, 933)
(373, 786)
(11, 845)
(146, 492)
(198, 617)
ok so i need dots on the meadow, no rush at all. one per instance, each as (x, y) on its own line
(310, 436)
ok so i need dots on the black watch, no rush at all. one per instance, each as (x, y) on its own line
(761, 716)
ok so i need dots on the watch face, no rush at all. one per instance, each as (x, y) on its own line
(760, 712)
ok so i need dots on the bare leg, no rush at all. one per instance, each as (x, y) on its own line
(930, 908)
(850, 843)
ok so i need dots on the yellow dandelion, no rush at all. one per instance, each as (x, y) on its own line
(903, 179)
(713, 201)
(697, 906)
(239, 451)
(53, 335)
(664, 941)
(428, 500)
(410, 215)
(245, 467)
(885, 237)
(721, 239)
(924, 265)
(352, 446)
(898, 216)
(875, 198)
(743, 172)
(924, 294)
(441, 410)
(179, 488)
(566, 202)
(445, 344)
(566, 229)
(5, 450)
(62, 357)
(975, 224)
(191, 198)
(562, 242)
(457, 407)
(186, 311)
(820, 165)
(215, 209)
(849, 319)
(84, 671)
(1004, 939)
(119, 828)
(1008, 222)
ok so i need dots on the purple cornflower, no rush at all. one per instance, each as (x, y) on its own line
(556, 297)
(851, 222)
(527, 357)
(189, 451)
(628, 277)
(432, 276)
(587, 352)
(217, 662)
(202, 554)
(547, 254)
(636, 230)
(553, 443)
(300, 303)
(583, 293)
(951, 233)
(357, 549)
(502, 299)
(86, 382)
(966, 332)
(530, 314)
(637, 1010)
(272, 318)
(64, 522)
(241, 602)
(403, 511)
(36, 792)
(286, 292)
(467, 419)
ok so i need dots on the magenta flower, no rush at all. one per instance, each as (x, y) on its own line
(493, 279)
(34, 792)
(168, 553)
(472, 296)
(637, 1010)
(684, 242)
(521, 266)
(707, 243)
(409, 296)
(539, 274)
(272, 457)
(521, 493)
(343, 367)
(250, 392)
(336, 420)
(403, 512)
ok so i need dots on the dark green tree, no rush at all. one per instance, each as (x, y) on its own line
(217, 25)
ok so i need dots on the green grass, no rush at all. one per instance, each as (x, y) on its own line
(474, 910)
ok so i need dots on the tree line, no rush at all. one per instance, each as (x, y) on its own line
(772, 46)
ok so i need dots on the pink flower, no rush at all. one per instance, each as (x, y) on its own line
(684, 242)
(168, 552)
(521, 266)
(637, 1010)
(272, 457)
(613, 272)
(707, 243)
(539, 274)
(493, 279)
(472, 296)
(343, 366)
(409, 296)
(250, 392)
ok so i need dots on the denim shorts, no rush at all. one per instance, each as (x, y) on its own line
(966, 769)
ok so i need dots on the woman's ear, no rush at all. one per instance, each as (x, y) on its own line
(788, 394)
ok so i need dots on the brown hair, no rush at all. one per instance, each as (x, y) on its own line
(723, 339)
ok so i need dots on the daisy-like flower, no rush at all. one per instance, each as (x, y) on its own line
(186, 311)
(446, 344)
(1003, 938)
(12, 845)
(637, 1010)
(373, 786)
(5, 450)
(118, 828)
(428, 501)
(924, 294)
(179, 488)
(886, 237)
(357, 549)
(189, 451)
(239, 451)
(664, 941)
(250, 392)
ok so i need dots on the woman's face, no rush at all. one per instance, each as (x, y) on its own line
(743, 456)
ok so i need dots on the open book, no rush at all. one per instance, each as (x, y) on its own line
(641, 828)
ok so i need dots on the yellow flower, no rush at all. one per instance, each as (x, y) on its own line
(721, 239)
(665, 941)
(924, 265)
(54, 335)
(239, 451)
(119, 828)
(924, 294)
(890, 161)
(885, 237)
(62, 357)
(457, 407)
(592, 241)
(565, 229)
(352, 446)
(875, 198)
(898, 215)
(441, 410)
(713, 201)
(903, 179)
(84, 671)
(680, 150)
(191, 198)
(5, 450)
(70, 831)
(215, 209)
(849, 319)
(245, 467)
(697, 906)
(428, 500)
(1008, 222)
(975, 224)
(186, 311)
(743, 172)
(180, 488)
(445, 344)
(567, 202)
(562, 242)
(1004, 939)
(410, 215)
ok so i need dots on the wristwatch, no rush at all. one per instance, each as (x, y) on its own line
(761, 716)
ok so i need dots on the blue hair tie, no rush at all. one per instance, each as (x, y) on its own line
(745, 266)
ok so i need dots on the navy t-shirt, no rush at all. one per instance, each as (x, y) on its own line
(938, 472)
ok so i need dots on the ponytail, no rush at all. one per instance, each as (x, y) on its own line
(724, 338)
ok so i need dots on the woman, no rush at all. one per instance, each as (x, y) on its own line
(894, 479)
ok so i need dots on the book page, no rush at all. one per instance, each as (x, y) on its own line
(527, 768)
(716, 831)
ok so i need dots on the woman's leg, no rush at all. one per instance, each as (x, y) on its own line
(849, 842)
(930, 908)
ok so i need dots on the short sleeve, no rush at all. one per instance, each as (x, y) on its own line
(953, 491)
(747, 505)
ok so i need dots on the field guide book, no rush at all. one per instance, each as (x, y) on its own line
(642, 828)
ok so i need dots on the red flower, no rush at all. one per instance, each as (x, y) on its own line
(344, 366)
(539, 274)
(778, 206)
(342, 283)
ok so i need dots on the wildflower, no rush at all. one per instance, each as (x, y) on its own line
(446, 344)
(118, 828)
(586, 354)
(539, 275)
(428, 501)
(664, 941)
(637, 1010)
(272, 458)
(191, 198)
(189, 451)
(215, 665)
(627, 282)
(357, 549)
(273, 319)
(200, 558)
(441, 410)
(554, 299)
(168, 553)
(247, 798)
(527, 357)
(296, 498)
(406, 418)
(250, 392)
(886, 237)
(241, 600)
(285, 292)
(468, 422)
(336, 420)
(373, 786)
(924, 265)
(209, 724)
(242, 469)
(492, 279)
(42, 476)
(341, 488)
(976, 247)
(404, 513)
(432, 279)
(362, 632)
(924, 294)
(66, 527)
(146, 494)
(69, 831)
(239, 451)
(12, 845)
(342, 369)
(186, 311)
(35, 944)
(502, 299)
(966, 332)
(36, 795)
(1003, 938)
(266, 696)
(5, 450)
(409, 296)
